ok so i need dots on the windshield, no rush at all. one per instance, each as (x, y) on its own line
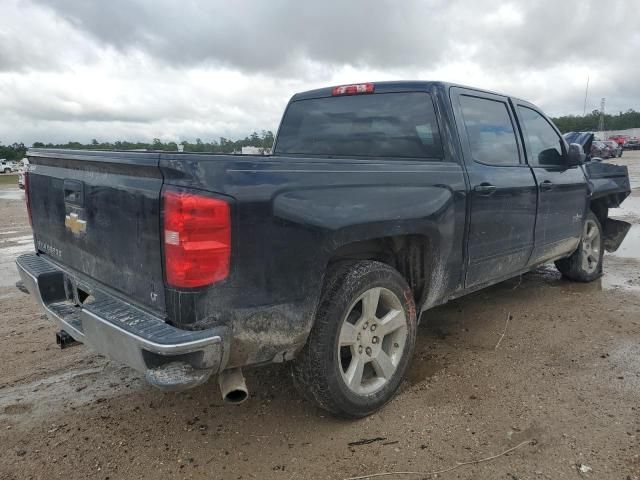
(380, 125)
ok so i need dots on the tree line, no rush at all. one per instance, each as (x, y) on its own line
(264, 139)
(15, 151)
(591, 121)
(222, 145)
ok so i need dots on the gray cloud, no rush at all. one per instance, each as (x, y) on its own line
(164, 68)
(265, 36)
(386, 34)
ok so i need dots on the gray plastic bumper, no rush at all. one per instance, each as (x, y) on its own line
(170, 358)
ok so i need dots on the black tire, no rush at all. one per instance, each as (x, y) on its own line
(318, 371)
(578, 266)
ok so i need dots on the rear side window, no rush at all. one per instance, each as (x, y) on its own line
(543, 143)
(401, 125)
(490, 131)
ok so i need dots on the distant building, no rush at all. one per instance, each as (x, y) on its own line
(255, 151)
(631, 132)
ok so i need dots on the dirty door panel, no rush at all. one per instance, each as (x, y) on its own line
(562, 189)
(502, 187)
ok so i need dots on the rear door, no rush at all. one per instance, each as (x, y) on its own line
(563, 190)
(97, 214)
(503, 191)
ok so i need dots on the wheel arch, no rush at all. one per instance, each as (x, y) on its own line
(413, 255)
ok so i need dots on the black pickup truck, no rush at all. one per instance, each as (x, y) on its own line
(380, 201)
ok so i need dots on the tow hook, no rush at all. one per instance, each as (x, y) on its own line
(64, 340)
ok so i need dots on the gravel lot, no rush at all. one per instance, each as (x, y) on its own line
(566, 376)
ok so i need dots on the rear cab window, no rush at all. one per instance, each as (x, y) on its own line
(391, 125)
(490, 131)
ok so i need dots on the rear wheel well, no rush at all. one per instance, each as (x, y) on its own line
(409, 254)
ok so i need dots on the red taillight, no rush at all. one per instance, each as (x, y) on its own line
(354, 89)
(26, 196)
(197, 239)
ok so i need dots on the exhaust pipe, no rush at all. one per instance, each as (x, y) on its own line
(232, 386)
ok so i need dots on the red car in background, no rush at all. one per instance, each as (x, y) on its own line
(619, 139)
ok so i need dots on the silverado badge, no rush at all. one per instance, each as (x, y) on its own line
(73, 223)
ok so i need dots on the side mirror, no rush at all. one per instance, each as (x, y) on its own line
(575, 155)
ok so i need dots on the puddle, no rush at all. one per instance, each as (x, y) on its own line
(634, 174)
(621, 271)
(630, 247)
(13, 294)
(69, 389)
(13, 194)
(8, 254)
(611, 281)
(630, 208)
(21, 239)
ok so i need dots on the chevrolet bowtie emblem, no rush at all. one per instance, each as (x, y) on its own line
(73, 223)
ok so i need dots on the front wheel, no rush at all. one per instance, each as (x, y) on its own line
(585, 264)
(361, 342)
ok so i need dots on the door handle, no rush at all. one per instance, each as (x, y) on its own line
(546, 186)
(485, 189)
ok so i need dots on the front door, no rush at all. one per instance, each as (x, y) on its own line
(503, 192)
(562, 202)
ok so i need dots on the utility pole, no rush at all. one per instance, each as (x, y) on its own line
(601, 124)
(586, 93)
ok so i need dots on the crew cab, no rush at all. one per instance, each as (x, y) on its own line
(380, 201)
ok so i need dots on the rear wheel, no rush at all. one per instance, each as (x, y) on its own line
(361, 342)
(585, 264)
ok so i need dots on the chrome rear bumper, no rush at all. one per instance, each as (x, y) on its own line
(170, 358)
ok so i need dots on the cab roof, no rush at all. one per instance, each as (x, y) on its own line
(396, 86)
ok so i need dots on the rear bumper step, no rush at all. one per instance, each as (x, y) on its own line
(170, 358)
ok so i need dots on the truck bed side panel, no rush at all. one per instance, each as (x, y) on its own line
(291, 214)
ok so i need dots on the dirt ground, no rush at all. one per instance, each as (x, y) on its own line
(565, 376)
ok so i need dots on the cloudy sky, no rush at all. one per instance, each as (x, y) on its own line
(177, 70)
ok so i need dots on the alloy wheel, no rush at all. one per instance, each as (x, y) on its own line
(590, 246)
(372, 340)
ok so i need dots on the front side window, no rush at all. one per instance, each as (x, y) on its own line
(401, 125)
(491, 136)
(544, 145)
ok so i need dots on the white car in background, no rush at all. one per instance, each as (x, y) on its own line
(8, 166)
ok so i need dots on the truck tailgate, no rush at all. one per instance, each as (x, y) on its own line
(98, 215)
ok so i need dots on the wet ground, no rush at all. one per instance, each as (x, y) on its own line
(566, 375)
